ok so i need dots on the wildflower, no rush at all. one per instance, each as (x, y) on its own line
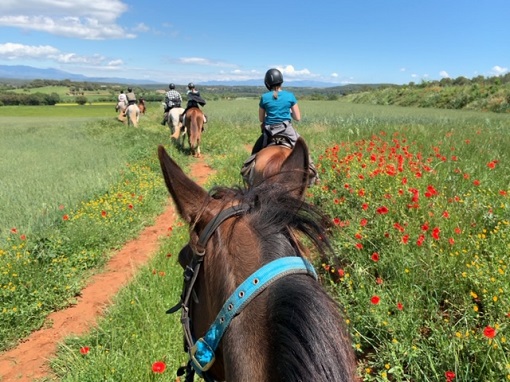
(446, 214)
(130, 206)
(23, 237)
(363, 222)
(435, 233)
(364, 206)
(379, 281)
(375, 300)
(382, 210)
(341, 273)
(65, 217)
(405, 239)
(476, 182)
(400, 306)
(103, 213)
(420, 240)
(489, 332)
(84, 350)
(492, 164)
(14, 230)
(375, 256)
(449, 375)
(457, 230)
(359, 245)
(158, 367)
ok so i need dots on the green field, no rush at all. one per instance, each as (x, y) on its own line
(419, 199)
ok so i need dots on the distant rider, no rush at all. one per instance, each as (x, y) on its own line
(131, 98)
(194, 100)
(172, 99)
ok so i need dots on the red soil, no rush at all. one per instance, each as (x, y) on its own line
(29, 360)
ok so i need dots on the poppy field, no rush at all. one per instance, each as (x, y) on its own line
(419, 202)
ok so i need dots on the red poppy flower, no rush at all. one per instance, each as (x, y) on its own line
(457, 230)
(14, 230)
(364, 206)
(336, 221)
(363, 222)
(435, 233)
(382, 210)
(476, 182)
(489, 332)
(359, 245)
(446, 214)
(491, 164)
(400, 306)
(130, 206)
(379, 281)
(103, 213)
(65, 217)
(449, 375)
(451, 240)
(84, 350)
(375, 256)
(23, 237)
(420, 240)
(375, 300)
(341, 273)
(405, 239)
(158, 367)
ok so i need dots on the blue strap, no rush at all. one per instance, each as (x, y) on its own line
(202, 353)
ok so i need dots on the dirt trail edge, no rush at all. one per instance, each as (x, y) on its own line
(29, 360)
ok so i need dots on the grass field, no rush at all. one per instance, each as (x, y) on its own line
(419, 199)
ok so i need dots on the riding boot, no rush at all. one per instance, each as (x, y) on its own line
(165, 117)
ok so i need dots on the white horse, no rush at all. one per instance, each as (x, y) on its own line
(175, 123)
(121, 105)
(131, 115)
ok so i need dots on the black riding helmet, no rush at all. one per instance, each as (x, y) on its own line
(273, 78)
(191, 85)
(171, 86)
(130, 89)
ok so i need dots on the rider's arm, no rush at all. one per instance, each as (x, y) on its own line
(262, 115)
(295, 112)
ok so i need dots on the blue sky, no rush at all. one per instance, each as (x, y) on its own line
(341, 42)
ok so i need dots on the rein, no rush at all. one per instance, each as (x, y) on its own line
(202, 351)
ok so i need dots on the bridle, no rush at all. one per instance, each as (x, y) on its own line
(202, 351)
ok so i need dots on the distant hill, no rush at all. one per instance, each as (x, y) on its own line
(23, 72)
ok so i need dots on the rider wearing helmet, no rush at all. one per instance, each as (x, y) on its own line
(172, 99)
(131, 98)
(277, 109)
(194, 100)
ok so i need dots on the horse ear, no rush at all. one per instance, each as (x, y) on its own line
(295, 169)
(188, 196)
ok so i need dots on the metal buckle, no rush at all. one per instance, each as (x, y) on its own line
(205, 348)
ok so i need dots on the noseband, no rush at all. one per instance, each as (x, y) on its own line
(202, 351)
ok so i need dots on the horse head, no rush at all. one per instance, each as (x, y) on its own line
(290, 329)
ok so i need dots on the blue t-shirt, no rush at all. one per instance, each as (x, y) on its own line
(277, 110)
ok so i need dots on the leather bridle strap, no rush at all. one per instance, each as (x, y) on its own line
(213, 225)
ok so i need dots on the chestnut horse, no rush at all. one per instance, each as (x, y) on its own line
(141, 105)
(252, 308)
(194, 124)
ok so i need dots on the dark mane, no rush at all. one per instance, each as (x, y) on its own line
(300, 314)
(273, 212)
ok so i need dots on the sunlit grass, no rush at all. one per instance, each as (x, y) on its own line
(419, 200)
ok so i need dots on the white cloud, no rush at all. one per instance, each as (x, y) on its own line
(498, 70)
(334, 75)
(11, 51)
(84, 19)
(444, 74)
(203, 62)
(291, 72)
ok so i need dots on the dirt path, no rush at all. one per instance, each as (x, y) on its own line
(28, 361)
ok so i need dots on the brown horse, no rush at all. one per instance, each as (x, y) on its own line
(194, 124)
(141, 105)
(251, 308)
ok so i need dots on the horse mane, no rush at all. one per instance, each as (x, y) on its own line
(300, 313)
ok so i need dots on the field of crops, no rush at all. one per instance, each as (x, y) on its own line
(419, 198)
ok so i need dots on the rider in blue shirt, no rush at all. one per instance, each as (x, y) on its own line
(277, 109)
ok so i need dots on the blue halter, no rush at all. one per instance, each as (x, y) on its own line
(202, 352)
